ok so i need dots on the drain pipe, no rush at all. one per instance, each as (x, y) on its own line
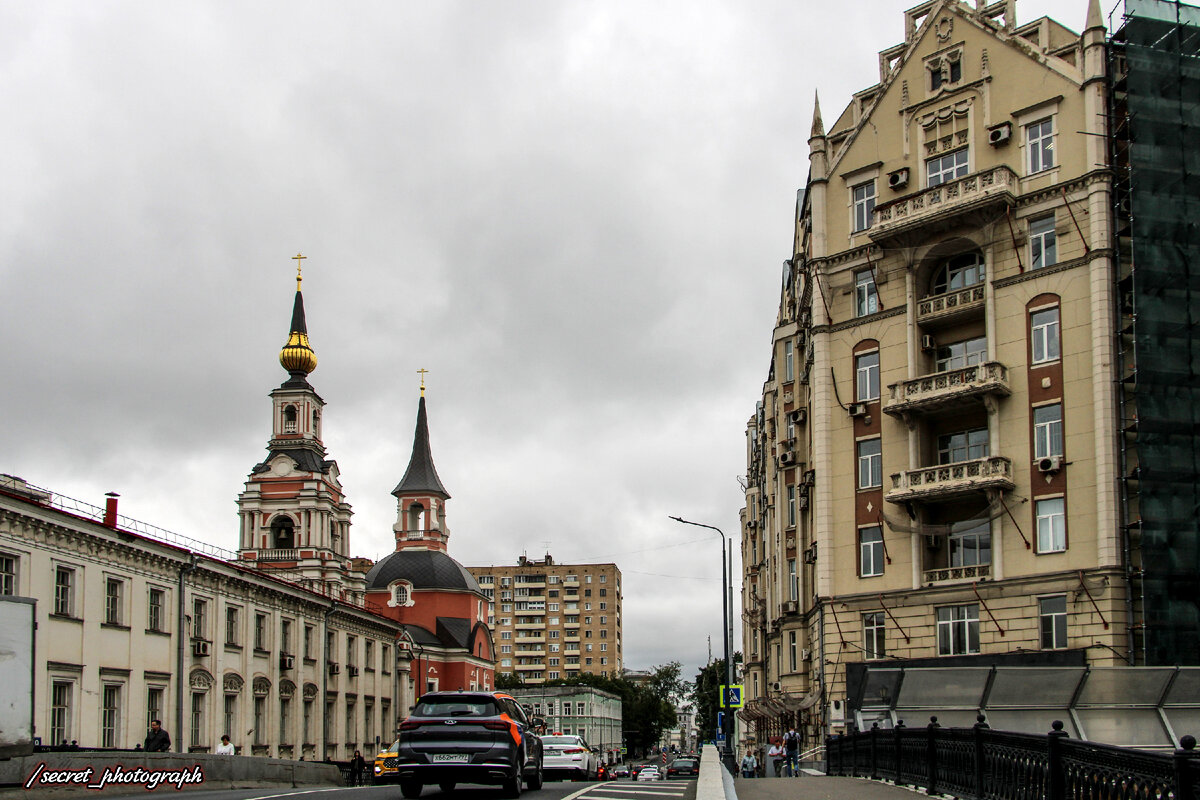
(180, 650)
(324, 755)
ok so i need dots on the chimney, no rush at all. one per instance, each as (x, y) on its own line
(110, 510)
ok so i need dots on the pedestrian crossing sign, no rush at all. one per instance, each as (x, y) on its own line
(732, 696)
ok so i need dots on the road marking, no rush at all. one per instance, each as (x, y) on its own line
(305, 791)
(663, 791)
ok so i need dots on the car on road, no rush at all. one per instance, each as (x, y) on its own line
(649, 773)
(683, 768)
(570, 755)
(464, 737)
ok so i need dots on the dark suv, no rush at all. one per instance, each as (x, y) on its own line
(464, 737)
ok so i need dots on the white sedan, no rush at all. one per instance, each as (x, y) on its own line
(569, 754)
(650, 773)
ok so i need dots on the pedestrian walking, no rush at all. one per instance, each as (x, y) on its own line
(157, 739)
(775, 755)
(357, 765)
(791, 746)
(749, 765)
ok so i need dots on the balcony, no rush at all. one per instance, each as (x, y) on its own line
(971, 199)
(948, 481)
(528, 636)
(531, 667)
(279, 555)
(944, 391)
(939, 310)
(975, 572)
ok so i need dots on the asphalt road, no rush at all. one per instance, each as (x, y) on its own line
(623, 789)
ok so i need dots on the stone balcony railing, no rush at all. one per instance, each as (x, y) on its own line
(279, 555)
(945, 203)
(975, 572)
(946, 307)
(943, 390)
(947, 481)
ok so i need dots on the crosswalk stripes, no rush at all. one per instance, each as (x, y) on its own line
(631, 791)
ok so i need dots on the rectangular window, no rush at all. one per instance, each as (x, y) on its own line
(793, 581)
(958, 630)
(958, 355)
(229, 716)
(231, 625)
(197, 720)
(1044, 329)
(1047, 431)
(963, 446)
(789, 361)
(155, 610)
(199, 618)
(791, 506)
(793, 655)
(307, 722)
(308, 639)
(260, 631)
(285, 719)
(971, 547)
(866, 377)
(385, 658)
(260, 719)
(1043, 243)
(285, 636)
(866, 300)
(114, 593)
(154, 703)
(870, 551)
(946, 167)
(64, 591)
(1052, 616)
(864, 204)
(60, 711)
(368, 654)
(351, 650)
(1051, 525)
(351, 723)
(8, 574)
(870, 463)
(873, 639)
(1039, 140)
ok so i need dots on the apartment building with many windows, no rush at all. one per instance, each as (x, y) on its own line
(552, 621)
(933, 471)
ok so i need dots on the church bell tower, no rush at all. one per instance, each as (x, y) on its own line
(294, 514)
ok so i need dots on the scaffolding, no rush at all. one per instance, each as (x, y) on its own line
(1154, 66)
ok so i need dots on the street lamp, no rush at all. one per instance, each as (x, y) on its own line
(726, 602)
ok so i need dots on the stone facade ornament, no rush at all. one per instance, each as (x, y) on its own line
(201, 680)
(286, 689)
(233, 683)
(310, 691)
(262, 687)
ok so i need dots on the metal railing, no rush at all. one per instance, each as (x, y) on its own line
(978, 763)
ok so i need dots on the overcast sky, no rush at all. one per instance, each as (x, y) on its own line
(574, 214)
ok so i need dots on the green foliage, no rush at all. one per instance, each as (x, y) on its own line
(508, 680)
(706, 695)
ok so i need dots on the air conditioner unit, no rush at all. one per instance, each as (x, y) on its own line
(1050, 464)
(799, 416)
(352, 670)
(810, 477)
(858, 409)
(286, 661)
(927, 343)
(898, 179)
(789, 607)
(334, 668)
(931, 542)
(200, 647)
(810, 554)
(1000, 134)
(775, 686)
(806, 654)
(786, 459)
(805, 318)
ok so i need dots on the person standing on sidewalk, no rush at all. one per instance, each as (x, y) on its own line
(791, 746)
(774, 756)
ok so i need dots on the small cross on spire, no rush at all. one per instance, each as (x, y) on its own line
(298, 259)
(422, 372)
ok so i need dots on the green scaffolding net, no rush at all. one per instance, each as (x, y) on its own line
(1156, 116)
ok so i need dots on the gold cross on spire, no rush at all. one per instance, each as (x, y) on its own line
(298, 259)
(422, 372)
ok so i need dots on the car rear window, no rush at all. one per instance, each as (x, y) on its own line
(457, 707)
(560, 740)
(684, 762)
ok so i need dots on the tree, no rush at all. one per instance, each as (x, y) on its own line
(706, 695)
(647, 707)
(508, 680)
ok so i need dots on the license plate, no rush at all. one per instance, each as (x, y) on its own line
(450, 758)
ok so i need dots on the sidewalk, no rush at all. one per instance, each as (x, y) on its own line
(812, 787)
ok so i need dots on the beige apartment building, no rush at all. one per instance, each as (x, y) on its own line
(552, 621)
(931, 471)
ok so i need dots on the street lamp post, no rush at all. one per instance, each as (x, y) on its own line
(726, 603)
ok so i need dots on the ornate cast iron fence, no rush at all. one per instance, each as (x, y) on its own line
(982, 764)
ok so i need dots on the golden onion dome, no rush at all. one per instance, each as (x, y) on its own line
(296, 355)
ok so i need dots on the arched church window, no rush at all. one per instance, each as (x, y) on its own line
(958, 272)
(316, 422)
(289, 419)
(283, 533)
(416, 520)
(401, 594)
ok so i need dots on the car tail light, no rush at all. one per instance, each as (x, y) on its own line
(573, 750)
(495, 725)
(409, 725)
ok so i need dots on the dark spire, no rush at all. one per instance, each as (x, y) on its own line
(298, 324)
(421, 476)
